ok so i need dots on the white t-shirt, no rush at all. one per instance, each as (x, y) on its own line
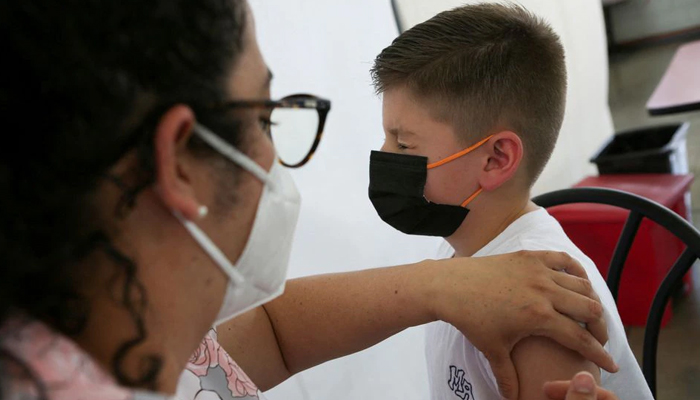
(457, 370)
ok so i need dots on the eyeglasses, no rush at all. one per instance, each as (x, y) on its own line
(295, 125)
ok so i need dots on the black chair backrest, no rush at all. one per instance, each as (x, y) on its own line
(639, 208)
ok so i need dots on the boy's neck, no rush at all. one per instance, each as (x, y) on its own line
(485, 222)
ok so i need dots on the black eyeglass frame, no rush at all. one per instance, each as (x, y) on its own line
(301, 100)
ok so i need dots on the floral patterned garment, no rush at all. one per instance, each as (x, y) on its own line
(66, 371)
(211, 374)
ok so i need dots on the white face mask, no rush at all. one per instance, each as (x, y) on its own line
(261, 270)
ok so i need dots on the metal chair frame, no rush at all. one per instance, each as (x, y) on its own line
(639, 208)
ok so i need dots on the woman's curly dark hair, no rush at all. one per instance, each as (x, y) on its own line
(84, 82)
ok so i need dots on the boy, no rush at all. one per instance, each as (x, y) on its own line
(473, 100)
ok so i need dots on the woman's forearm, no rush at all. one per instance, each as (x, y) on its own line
(323, 317)
(494, 301)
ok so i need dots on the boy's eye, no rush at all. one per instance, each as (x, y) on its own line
(402, 146)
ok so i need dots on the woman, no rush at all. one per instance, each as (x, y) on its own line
(142, 204)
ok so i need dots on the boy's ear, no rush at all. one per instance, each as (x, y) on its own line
(505, 152)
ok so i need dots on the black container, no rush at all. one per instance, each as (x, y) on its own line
(659, 149)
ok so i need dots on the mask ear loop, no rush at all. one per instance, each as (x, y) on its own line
(458, 155)
(472, 197)
(231, 153)
(199, 236)
(214, 252)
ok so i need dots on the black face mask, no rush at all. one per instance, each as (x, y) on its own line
(396, 189)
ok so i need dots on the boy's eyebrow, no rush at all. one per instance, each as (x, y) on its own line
(397, 131)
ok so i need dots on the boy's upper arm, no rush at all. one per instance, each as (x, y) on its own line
(539, 360)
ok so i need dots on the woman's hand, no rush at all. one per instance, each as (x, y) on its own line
(497, 301)
(494, 301)
(582, 387)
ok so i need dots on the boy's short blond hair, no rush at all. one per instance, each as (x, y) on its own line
(484, 67)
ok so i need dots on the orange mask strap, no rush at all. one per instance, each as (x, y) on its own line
(458, 155)
(472, 197)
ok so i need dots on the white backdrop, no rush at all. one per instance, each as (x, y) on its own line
(326, 48)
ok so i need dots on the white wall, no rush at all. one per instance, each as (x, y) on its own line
(587, 122)
(635, 19)
(326, 48)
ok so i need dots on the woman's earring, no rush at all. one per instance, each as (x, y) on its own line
(202, 211)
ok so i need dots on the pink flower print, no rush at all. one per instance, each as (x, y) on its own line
(239, 383)
(206, 356)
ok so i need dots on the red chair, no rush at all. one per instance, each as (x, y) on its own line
(639, 208)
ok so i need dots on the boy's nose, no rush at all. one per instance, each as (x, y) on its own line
(387, 147)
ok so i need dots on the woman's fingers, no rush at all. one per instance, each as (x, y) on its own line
(571, 294)
(559, 261)
(586, 309)
(599, 330)
(557, 390)
(496, 301)
(570, 334)
(587, 312)
(581, 308)
(582, 387)
(505, 373)
(576, 284)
